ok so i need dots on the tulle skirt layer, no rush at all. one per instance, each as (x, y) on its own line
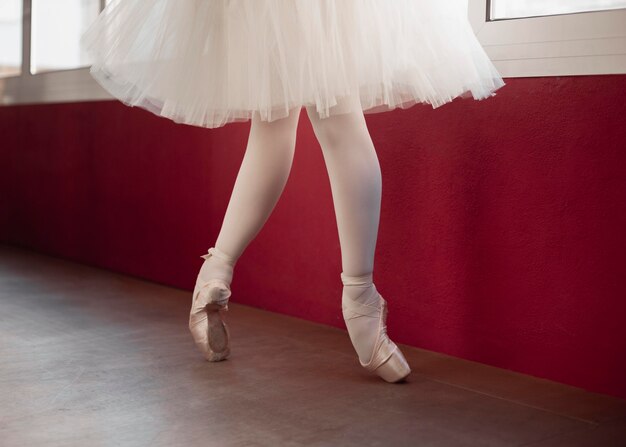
(210, 62)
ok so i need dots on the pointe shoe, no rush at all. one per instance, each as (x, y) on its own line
(209, 300)
(386, 359)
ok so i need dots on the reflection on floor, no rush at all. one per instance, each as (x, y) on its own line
(95, 358)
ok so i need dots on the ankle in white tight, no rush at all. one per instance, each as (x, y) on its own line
(362, 319)
(217, 266)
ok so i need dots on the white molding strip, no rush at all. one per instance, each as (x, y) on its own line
(571, 44)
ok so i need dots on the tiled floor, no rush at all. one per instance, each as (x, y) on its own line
(94, 358)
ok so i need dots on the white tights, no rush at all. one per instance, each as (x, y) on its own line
(355, 179)
(354, 173)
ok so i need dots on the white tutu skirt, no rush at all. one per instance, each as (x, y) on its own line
(210, 62)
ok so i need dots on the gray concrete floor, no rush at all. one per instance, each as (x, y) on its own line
(95, 358)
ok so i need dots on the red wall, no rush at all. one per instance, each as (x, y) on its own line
(502, 236)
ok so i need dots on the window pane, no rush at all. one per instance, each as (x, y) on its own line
(510, 9)
(56, 29)
(10, 37)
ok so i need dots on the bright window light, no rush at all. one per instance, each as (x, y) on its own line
(10, 37)
(56, 29)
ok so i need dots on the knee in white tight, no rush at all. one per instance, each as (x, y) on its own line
(260, 181)
(356, 182)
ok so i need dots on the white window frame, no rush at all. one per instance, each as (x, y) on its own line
(571, 44)
(65, 85)
(586, 43)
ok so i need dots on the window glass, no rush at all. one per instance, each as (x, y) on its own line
(56, 29)
(511, 9)
(10, 37)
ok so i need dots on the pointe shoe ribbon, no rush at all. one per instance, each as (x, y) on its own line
(386, 359)
(213, 291)
(209, 331)
(384, 347)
